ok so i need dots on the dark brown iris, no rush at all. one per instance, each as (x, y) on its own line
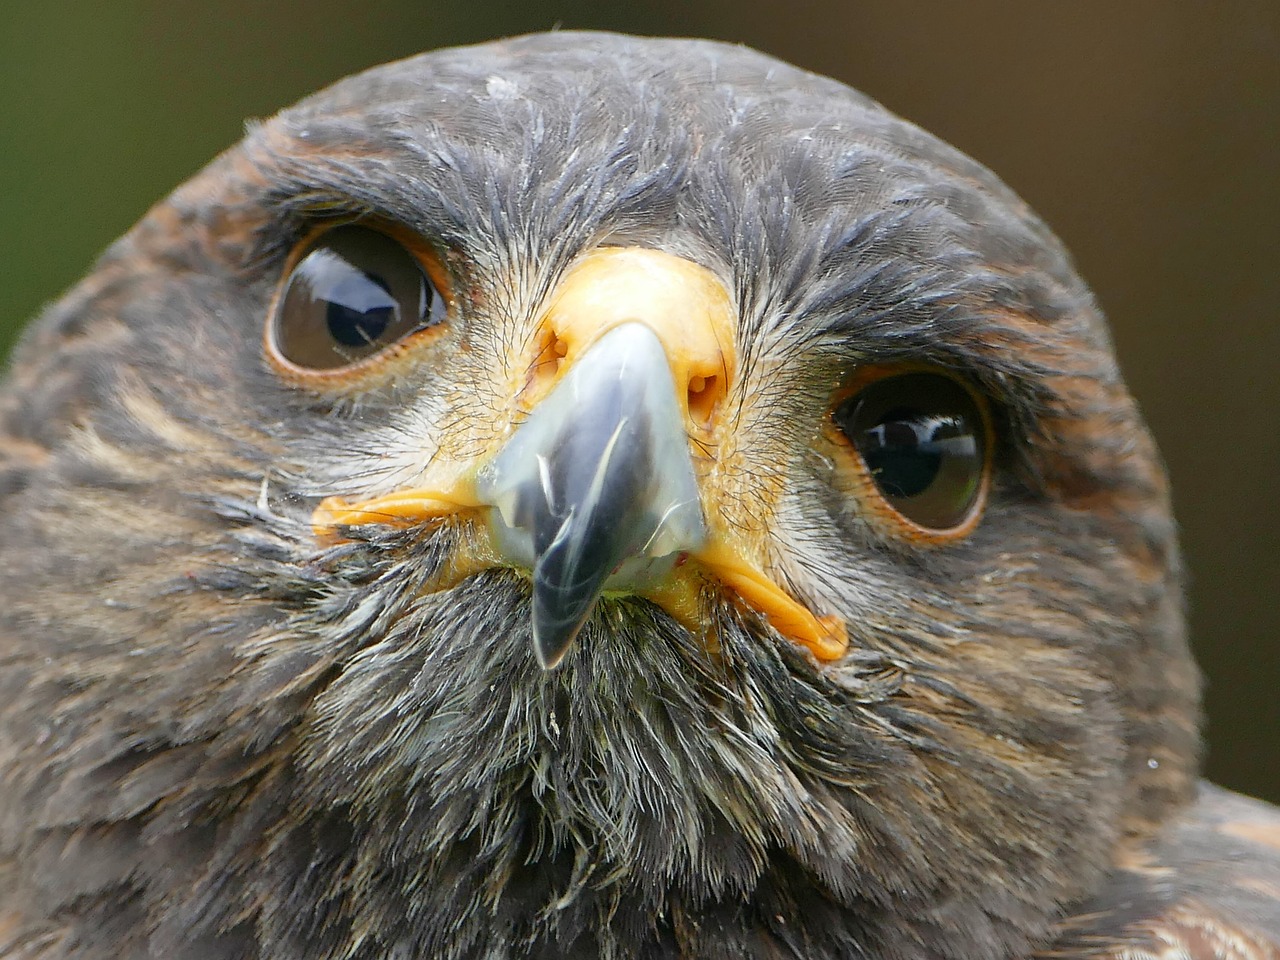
(353, 293)
(922, 438)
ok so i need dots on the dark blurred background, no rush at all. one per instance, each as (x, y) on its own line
(1146, 132)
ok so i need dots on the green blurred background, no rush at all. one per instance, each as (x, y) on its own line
(1146, 132)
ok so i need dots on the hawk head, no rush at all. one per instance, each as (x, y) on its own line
(582, 496)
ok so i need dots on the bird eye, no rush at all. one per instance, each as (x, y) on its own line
(352, 293)
(922, 439)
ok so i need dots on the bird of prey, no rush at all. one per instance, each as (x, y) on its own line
(594, 497)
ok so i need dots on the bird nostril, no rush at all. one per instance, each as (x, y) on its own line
(548, 352)
(704, 395)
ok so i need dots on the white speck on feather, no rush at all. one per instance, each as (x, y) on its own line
(500, 88)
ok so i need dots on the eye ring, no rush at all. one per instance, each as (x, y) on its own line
(352, 281)
(931, 490)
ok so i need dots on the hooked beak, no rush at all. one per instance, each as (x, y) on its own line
(598, 489)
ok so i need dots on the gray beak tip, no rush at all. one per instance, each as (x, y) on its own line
(550, 645)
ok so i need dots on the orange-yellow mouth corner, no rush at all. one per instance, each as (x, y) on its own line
(825, 636)
(597, 489)
(404, 508)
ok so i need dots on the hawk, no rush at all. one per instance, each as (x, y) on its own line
(588, 496)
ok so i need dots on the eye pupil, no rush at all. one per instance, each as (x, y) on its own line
(357, 316)
(900, 455)
(921, 438)
(353, 293)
